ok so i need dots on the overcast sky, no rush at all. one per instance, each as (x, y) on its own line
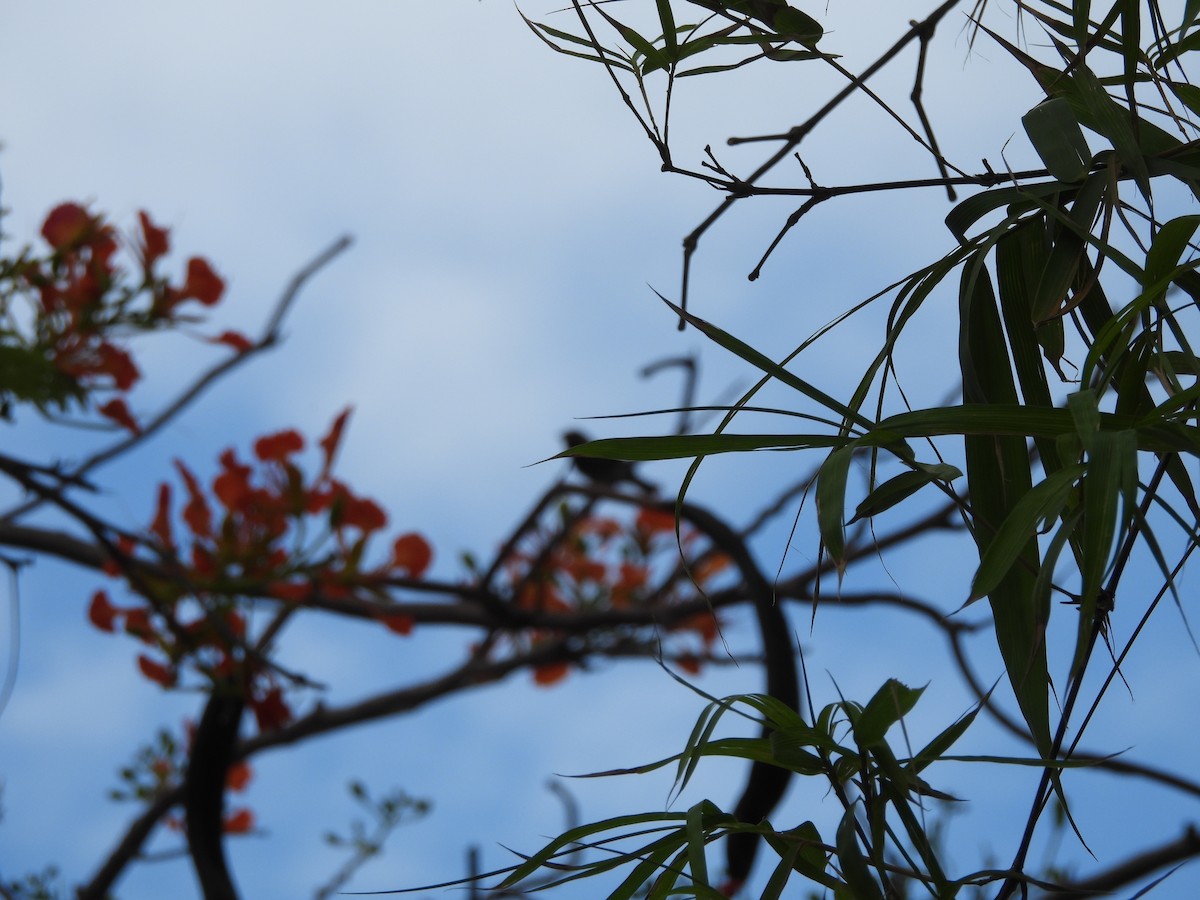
(508, 217)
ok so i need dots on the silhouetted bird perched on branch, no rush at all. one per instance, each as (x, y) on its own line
(608, 472)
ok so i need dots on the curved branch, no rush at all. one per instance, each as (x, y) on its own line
(1133, 869)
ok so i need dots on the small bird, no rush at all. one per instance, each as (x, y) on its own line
(608, 472)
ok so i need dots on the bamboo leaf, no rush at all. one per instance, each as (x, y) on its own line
(695, 831)
(1044, 501)
(897, 489)
(666, 18)
(1060, 271)
(1058, 139)
(766, 364)
(686, 446)
(831, 504)
(998, 479)
(1020, 256)
(975, 207)
(802, 850)
(1163, 258)
(890, 704)
(1108, 505)
(854, 868)
(934, 750)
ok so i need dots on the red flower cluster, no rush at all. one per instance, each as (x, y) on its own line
(84, 303)
(604, 563)
(249, 534)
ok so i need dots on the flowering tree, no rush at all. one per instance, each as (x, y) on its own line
(206, 589)
(1067, 472)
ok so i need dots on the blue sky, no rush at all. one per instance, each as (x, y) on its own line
(508, 217)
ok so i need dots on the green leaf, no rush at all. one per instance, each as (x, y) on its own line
(890, 704)
(1166, 250)
(1108, 493)
(766, 364)
(893, 491)
(935, 749)
(1085, 413)
(653, 56)
(641, 449)
(695, 840)
(801, 849)
(545, 33)
(831, 504)
(1106, 117)
(792, 24)
(998, 478)
(975, 207)
(854, 868)
(1043, 501)
(1058, 139)
(667, 19)
(29, 375)
(993, 420)
(1020, 256)
(1060, 271)
(566, 842)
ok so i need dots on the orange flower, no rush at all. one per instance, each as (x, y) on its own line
(398, 622)
(271, 711)
(239, 822)
(68, 225)
(116, 363)
(236, 623)
(155, 241)
(161, 526)
(196, 513)
(412, 553)
(356, 512)
(202, 283)
(238, 776)
(101, 613)
(705, 624)
(362, 513)
(548, 673)
(137, 623)
(653, 521)
(278, 446)
(329, 443)
(632, 577)
(232, 486)
(156, 672)
(203, 563)
(234, 339)
(116, 410)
